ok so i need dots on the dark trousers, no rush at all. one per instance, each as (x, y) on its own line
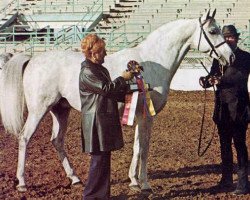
(98, 183)
(237, 133)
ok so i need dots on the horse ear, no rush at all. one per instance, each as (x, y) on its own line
(214, 12)
(206, 15)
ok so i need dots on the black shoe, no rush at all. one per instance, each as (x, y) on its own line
(223, 186)
(224, 183)
(241, 191)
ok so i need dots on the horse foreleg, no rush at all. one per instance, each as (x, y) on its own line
(60, 118)
(133, 175)
(140, 155)
(144, 130)
(24, 137)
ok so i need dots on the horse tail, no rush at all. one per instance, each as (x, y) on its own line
(12, 101)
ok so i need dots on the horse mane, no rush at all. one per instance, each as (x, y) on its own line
(167, 28)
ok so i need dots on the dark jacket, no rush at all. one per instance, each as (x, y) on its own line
(232, 99)
(101, 129)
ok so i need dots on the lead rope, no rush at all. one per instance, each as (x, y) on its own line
(201, 153)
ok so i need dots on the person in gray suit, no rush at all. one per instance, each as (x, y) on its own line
(101, 129)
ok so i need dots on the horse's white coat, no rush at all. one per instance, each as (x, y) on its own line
(51, 78)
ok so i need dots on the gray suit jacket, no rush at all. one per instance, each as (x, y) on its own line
(101, 129)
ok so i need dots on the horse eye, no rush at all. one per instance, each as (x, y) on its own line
(213, 32)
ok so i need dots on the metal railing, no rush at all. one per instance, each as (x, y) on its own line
(116, 39)
(72, 32)
(94, 10)
(70, 37)
(119, 36)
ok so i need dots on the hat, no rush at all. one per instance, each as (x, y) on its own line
(229, 30)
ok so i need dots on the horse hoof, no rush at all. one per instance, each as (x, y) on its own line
(21, 188)
(147, 191)
(77, 184)
(135, 188)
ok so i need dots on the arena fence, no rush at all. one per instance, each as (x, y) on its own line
(69, 38)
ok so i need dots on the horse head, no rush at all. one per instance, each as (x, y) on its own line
(209, 39)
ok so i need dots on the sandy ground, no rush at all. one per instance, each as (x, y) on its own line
(174, 168)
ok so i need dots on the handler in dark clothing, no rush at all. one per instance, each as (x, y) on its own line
(101, 129)
(230, 113)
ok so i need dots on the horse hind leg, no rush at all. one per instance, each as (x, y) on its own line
(60, 116)
(28, 130)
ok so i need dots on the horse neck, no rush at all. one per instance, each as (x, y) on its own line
(169, 44)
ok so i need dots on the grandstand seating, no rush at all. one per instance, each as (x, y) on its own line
(124, 22)
(193, 9)
(158, 12)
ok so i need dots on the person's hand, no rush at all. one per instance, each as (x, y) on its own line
(134, 67)
(202, 81)
(214, 80)
(127, 75)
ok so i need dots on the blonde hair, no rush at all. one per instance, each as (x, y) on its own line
(91, 44)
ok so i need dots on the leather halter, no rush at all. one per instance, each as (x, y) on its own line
(213, 47)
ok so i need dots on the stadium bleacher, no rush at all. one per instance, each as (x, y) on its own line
(124, 23)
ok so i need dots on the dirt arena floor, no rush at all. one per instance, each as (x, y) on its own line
(174, 168)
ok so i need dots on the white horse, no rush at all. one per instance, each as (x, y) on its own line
(48, 82)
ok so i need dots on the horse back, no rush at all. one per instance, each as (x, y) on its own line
(53, 75)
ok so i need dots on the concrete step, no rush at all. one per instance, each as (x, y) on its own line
(130, 1)
(116, 10)
(118, 5)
